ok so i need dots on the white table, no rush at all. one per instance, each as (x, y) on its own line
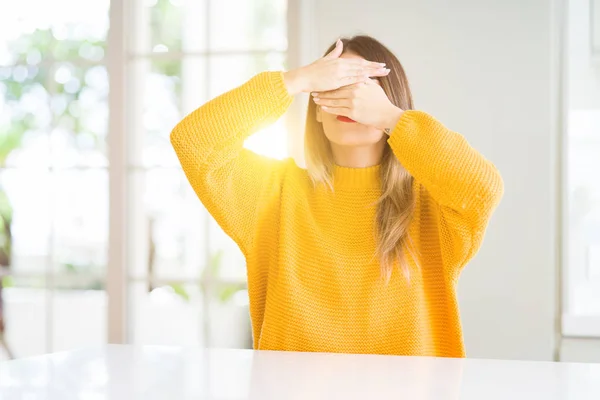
(128, 372)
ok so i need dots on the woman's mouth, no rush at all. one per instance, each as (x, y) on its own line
(345, 119)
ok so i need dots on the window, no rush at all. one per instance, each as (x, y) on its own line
(183, 279)
(582, 185)
(53, 174)
(184, 272)
(595, 30)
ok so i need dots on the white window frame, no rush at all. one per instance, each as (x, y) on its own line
(116, 275)
(572, 325)
(595, 31)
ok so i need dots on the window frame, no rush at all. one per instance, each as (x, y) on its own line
(572, 325)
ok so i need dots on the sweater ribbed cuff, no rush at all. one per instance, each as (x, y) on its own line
(273, 83)
(407, 120)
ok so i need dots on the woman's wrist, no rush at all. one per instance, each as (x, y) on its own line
(390, 119)
(294, 82)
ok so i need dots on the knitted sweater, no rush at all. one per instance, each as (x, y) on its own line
(314, 281)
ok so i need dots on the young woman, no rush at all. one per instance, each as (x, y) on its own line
(361, 252)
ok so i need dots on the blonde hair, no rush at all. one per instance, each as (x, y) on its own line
(396, 204)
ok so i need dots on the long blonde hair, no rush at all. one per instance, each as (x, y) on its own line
(396, 204)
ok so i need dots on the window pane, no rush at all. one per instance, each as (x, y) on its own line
(79, 28)
(161, 93)
(229, 71)
(25, 210)
(584, 211)
(169, 226)
(226, 259)
(24, 307)
(60, 29)
(255, 24)
(81, 221)
(166, 315)
(78, 318)
(25, 116)
(229, 317)
(80, 115)
(168, 90)
(171, 25)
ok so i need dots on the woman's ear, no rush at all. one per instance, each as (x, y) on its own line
(318, 114)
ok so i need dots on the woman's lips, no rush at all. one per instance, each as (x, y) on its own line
(345, 119)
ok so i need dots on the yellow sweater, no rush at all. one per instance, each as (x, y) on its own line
(313, 279)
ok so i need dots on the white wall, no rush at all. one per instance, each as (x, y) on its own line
(485, 68)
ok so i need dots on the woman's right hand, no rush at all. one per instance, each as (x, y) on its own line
(332, 72)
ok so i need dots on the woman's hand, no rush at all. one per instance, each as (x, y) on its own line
(364, 102)
(332, 72)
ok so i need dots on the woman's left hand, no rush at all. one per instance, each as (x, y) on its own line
(364, 102)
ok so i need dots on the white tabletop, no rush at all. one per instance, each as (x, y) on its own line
(127, 372)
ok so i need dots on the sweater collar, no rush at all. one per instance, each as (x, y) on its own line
(357, 178)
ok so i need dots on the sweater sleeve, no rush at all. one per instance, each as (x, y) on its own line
(465, 186)
(232, 181)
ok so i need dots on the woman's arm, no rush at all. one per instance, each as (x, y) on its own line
(230, 180)
(465, 185)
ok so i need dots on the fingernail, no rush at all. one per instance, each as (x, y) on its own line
(387, 69)
(314, 94)
(316, 99)
(382, 64)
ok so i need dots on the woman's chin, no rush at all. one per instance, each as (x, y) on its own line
(356, 139)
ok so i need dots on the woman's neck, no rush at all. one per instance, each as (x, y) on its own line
(358, 156)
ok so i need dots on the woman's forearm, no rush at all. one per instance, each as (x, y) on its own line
(454, 173)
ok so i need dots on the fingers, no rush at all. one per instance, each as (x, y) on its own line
(340, 93)
(369, 72)
(335, 71)
(358, 66)
(360, 74)
(344, 103)
(337, 110)
(337, 51)
(360, 62)
(352, 80)
(379, 72)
